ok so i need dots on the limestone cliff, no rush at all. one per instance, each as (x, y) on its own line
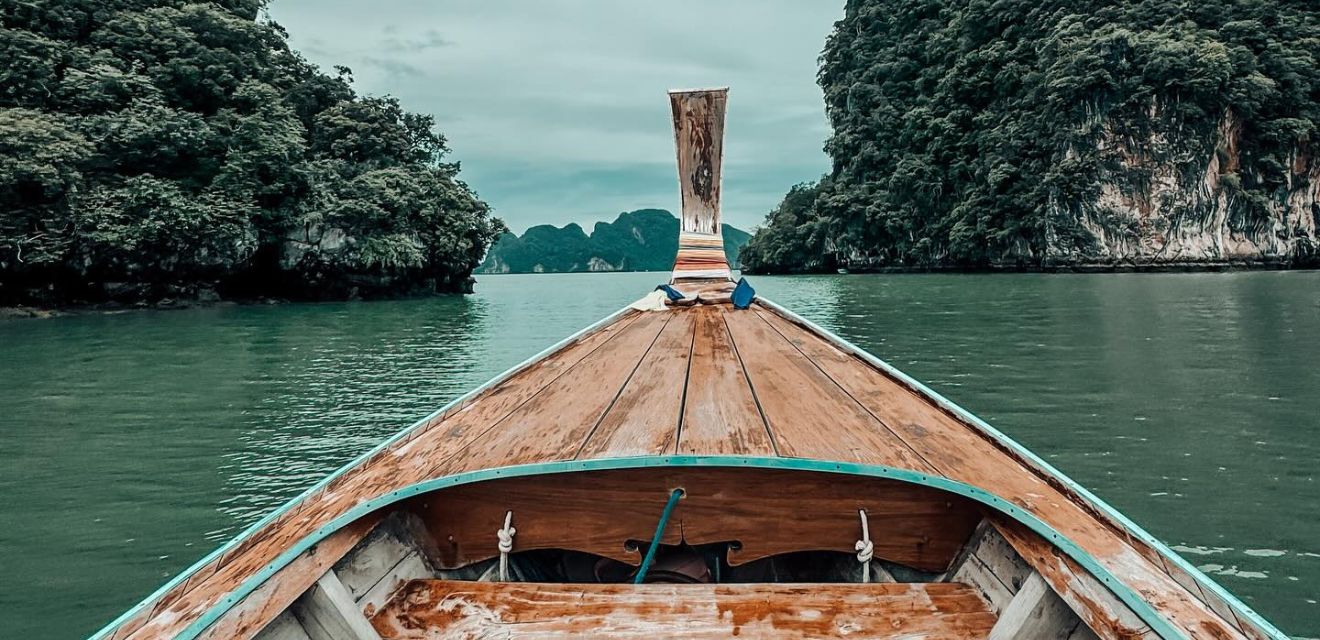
(1041, 134)
(1159, 205)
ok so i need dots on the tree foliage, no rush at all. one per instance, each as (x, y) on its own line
(976, 132)
(150, 148)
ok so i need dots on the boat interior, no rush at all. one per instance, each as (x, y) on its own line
(744, 551)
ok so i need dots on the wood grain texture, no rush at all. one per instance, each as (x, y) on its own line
(720, 415)
(436, 609)
(992, 566)
(816, 400)
(809, 415)
(263, 605)
(599, 511)
(644, 420)
(284, 627)
(699, 140)
(1104, 613)
(961, 452)
(1035, 613)
(327, 612)
(555, 424)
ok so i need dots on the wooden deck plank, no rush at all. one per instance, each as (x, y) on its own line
(490, 407)
(645, 418)
(558, 421)
(720, 415)
(960, 452)
(433, 609)
(809, 415)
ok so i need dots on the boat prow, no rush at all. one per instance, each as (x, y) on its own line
(696, 469)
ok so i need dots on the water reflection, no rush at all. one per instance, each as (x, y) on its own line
(336, 384)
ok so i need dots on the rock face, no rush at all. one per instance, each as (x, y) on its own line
(642, 240)
(1185, 211)
(1025, 135)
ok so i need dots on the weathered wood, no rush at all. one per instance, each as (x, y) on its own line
(599, 511)
(1103, 612)
(992, 566)
(440, 609)
(265, 603)
(809, 416)
(1035, 613)
(699, 140)
(362, 568)
(819, 402)
(720, 415)
(284, 627)
(327, 612)
(410, 567)
(644, 420)
(961, 452)
(556, 423)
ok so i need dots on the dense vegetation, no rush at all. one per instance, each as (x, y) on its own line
(1014, 132)
(164, 148)
(642, 240)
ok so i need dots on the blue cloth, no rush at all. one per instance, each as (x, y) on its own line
(743, 294)
(674, 294)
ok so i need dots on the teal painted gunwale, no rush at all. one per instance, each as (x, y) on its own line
(1120, 589)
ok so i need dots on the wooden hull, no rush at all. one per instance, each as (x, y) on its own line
(707, 397)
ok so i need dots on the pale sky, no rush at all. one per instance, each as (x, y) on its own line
(557, 109)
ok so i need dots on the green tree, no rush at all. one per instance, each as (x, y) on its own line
(152, 148)
(1006, 132)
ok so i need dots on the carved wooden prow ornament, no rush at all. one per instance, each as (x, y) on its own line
(699, 138)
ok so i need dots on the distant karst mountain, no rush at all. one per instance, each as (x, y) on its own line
(642, 240)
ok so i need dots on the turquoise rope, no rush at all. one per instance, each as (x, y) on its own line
(659, 531)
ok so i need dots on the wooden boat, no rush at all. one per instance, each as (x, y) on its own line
(691, 468)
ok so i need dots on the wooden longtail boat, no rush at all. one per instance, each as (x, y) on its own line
(694, 468)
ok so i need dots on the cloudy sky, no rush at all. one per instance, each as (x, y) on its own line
(556, 108)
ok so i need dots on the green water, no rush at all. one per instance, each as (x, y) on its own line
(132, 444)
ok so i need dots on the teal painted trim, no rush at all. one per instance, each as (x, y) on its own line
(1205, 582)
(104, 632)
(1129, 597)
(659, 533)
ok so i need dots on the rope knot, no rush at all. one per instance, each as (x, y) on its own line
(865, 550)
(506, 534)
(506, 539)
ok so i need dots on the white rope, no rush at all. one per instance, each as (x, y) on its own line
(865, 550)
(506, 545)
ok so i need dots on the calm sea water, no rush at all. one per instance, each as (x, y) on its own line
(133, 444)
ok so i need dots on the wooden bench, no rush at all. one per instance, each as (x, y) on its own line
(453, 609)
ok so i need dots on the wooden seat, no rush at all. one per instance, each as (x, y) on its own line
(452, 609)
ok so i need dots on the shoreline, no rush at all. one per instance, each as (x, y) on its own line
(25, 311)
(1208, 266)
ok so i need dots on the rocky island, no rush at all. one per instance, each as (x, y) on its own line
(1039, 135)
(641, 240)
(160, 151)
